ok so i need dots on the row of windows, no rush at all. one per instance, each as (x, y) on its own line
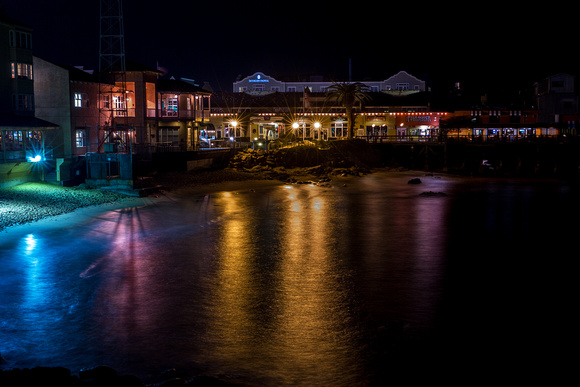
(496, 113)
(15, 140)
(323, 89)
(20, 39)
(21, 70)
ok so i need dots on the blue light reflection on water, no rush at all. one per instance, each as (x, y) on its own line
(285, 285)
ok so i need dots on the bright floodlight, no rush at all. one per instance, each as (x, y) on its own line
(295, 125)
(35, 159)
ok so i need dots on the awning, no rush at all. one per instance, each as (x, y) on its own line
(24, 123)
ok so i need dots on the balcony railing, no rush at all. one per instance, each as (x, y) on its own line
(187, 114)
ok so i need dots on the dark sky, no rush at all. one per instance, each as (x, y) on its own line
(215, 41)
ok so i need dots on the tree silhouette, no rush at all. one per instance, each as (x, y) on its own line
(348, 94)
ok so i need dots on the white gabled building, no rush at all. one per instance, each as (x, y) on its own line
(261, 84)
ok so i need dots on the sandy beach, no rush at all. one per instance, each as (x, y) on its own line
(27, 207)
(33, 206)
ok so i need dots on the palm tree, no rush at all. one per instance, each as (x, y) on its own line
(348, 93)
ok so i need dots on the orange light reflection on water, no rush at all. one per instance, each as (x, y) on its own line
(299, 326)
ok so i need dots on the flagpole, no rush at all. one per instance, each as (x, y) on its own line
(303, 113)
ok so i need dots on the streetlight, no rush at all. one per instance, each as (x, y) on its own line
(234, 123)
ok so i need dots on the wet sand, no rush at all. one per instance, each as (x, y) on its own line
(47, 214)
(30, 206)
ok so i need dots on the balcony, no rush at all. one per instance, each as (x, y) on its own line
(196, 115)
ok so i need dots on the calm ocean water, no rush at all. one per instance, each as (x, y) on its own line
(367, 283)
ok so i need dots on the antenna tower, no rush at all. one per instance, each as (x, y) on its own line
(113, 97)
(112, 40)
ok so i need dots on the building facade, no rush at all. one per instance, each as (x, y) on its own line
(22, 135)
(264, 108)
(557, 102)
(260, 83)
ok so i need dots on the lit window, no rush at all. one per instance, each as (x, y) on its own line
(78, 100)
(21, 70)
(80, 138)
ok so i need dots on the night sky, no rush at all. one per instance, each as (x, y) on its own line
(487, 45)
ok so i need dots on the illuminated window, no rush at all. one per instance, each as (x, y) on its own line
(120, 106)
(172, 104)
(105, 101)
(169, 107)
(338, 129)
(21, 70)
(169, 136)
(80, 137)
(78, 100)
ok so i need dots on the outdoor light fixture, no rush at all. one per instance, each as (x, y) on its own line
(35, 159)
(317, 125)
(295, 125)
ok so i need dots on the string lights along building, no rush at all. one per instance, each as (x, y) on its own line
(262, 107)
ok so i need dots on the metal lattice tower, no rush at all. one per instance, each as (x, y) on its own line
(112, 41)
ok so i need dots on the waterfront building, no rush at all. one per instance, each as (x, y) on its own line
(22, 134)
(493, 124)
(259, 83)
(557, 102)
(264, 108)
(133, 112)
